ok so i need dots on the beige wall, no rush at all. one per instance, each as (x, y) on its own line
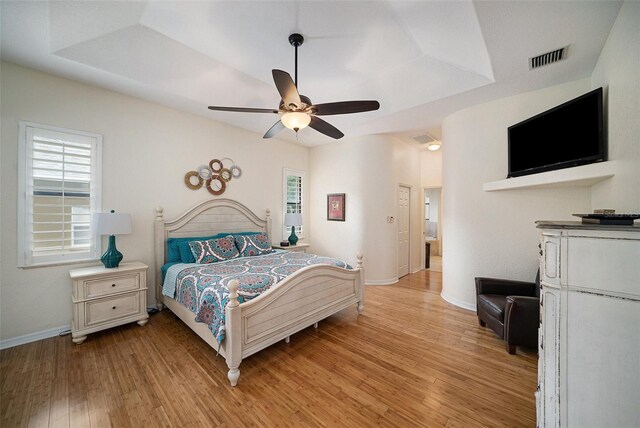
(369, 170)
(147, 149)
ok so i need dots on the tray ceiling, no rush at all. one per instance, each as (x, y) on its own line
(421, 60)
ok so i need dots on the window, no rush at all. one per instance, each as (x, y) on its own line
(293, 197)
(59, 187)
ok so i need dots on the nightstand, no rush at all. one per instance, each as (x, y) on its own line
(300, 248)
(103, 298)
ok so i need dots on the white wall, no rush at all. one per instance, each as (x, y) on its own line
(431, 168)
(368, 170)
(147, 150)
(618, 70)
(493, 233)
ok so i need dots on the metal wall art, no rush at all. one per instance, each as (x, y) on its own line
(214, 176)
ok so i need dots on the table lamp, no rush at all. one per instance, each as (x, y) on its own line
(112, 224)
(293, 220)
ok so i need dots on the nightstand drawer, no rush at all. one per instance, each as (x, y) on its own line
(103, 287)
(99, 311)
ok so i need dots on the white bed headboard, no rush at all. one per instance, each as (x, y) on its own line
(205, 219)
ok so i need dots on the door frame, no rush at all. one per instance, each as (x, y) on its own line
(410, 187)
(440, 219)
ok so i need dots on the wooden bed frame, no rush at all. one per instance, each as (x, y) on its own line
(302, 299)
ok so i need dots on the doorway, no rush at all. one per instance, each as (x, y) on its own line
(404, 204)
(433, 228)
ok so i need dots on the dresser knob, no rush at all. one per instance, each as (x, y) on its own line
(113, 307)
(113, 285)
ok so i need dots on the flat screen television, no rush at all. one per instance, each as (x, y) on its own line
(570, 134)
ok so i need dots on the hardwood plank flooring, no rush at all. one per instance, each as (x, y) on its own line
(410, 360)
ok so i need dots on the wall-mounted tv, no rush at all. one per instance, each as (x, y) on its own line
(570, 134)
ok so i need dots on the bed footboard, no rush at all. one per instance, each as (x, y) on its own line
(306, 297)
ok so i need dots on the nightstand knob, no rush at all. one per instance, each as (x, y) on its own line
(113, 307)
(113, 285)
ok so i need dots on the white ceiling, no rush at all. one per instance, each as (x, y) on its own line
(421, 60)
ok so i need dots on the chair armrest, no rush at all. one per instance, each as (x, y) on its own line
(505, 287)
(521, 320)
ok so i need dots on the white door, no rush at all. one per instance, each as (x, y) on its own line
(403, 230)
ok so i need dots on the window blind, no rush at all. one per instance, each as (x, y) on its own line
(294, 197)
(61, 191)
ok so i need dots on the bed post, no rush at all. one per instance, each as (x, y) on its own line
(360, 304)
(159, 254)
(233, 338)
(269, 224)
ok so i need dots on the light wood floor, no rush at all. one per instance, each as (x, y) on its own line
(410, 360)
(435, 263)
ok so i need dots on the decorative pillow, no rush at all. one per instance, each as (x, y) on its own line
(214, 250)
(174, 253)
(253, 245)
(186, 256)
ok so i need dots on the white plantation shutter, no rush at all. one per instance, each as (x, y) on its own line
(293, 186)
(60, 182)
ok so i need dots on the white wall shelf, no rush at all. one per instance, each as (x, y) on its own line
(581, 176)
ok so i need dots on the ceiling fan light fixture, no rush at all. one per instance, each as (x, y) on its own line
(434, 145)
(295, 120)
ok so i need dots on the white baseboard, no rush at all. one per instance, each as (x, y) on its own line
(32, 337)
(459, 303)
(381, 281)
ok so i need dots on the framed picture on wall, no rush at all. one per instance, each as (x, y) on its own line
(335, 206)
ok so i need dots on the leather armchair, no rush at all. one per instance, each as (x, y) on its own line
(511, 309)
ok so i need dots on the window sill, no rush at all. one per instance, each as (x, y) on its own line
(59, 263)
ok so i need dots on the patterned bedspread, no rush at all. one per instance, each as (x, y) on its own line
(203, 288)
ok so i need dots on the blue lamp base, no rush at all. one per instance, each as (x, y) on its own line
(112, 257)
(293, 239)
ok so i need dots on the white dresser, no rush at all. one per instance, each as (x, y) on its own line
(104, 298)
(589, 337)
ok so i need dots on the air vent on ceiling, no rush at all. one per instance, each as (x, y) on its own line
(424, 139)
(548, 58)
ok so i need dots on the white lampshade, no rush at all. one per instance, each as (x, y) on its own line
(295, 120)
(292, 219)
(112, 223)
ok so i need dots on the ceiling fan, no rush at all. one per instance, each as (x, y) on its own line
(297, 110)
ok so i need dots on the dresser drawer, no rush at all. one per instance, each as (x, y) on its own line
(550, 272)
(103, 310)
(117, 284)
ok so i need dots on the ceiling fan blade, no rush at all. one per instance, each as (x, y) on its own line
(345, 107)
(244, 109)
(325, 128)
(286, 88)
(277, 127)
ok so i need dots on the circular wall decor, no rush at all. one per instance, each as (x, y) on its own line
(213, 176)
(219, 185)
(218, 164)
(187, 180)
(235, 171)
(205, 172)
(225, 174)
